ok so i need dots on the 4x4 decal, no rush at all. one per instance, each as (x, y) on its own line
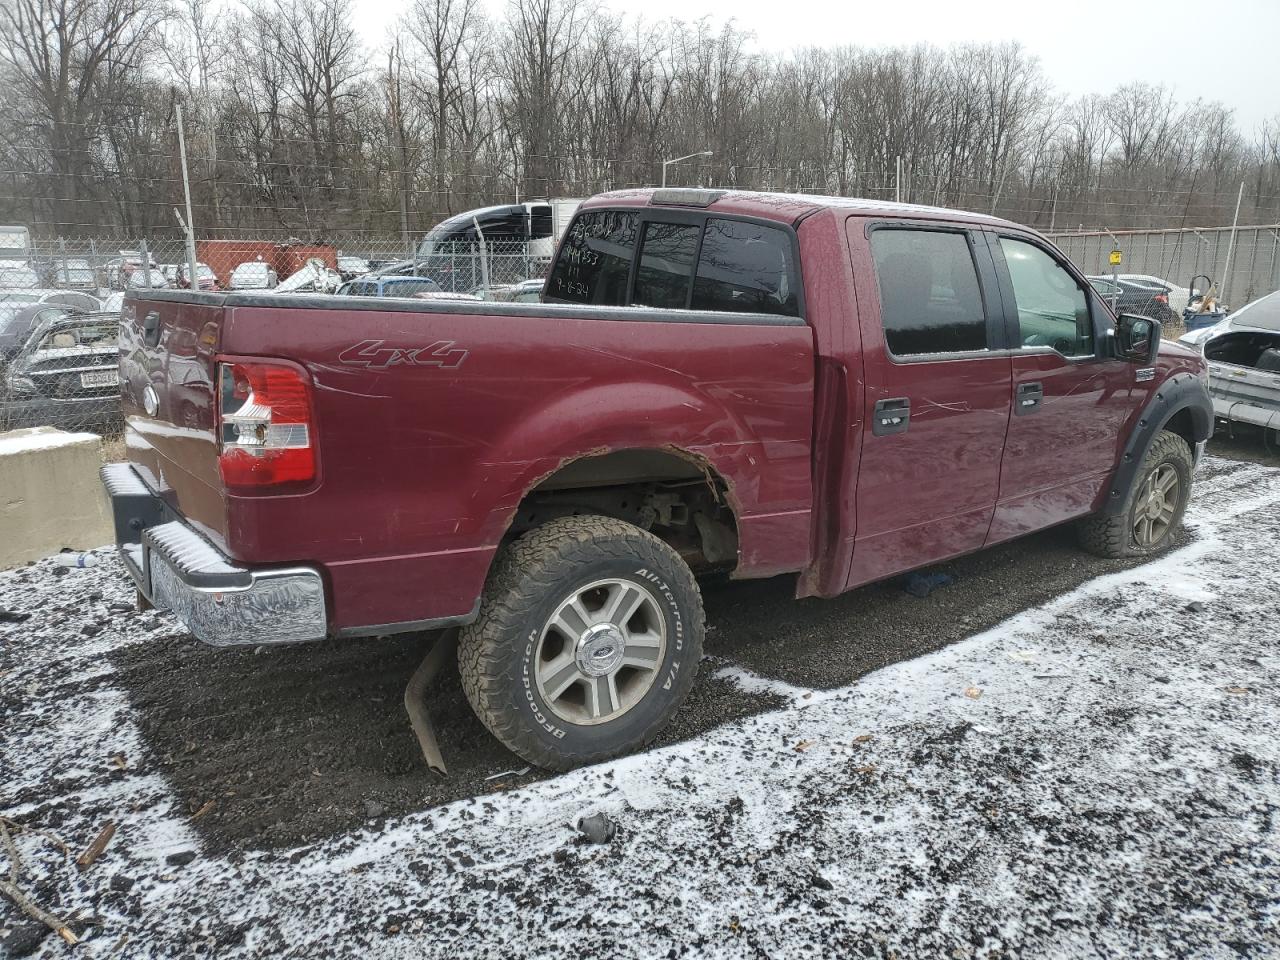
(374, 355)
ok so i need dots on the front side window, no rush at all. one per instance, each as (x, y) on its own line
(745, 267)
(1052, 309)
(930, 301)
(666, 265)
(595, 258)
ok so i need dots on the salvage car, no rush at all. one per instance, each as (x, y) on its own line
(18, 320)
(390, 286)
(18, 275)
(526, 291)
(754, 384)
(1244, 363)
(66, 374)
(1131, 296)
(351, 267)
(70, 274)
(22, 310)
(254, 275)
(206, 279)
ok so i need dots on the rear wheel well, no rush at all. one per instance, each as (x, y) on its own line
(675, 495)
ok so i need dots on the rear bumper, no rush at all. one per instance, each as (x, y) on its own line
(221, 602)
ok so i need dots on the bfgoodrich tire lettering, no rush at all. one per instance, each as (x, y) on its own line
(503, 656)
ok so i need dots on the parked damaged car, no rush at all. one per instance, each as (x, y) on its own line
(63, 374)
(1244, 363)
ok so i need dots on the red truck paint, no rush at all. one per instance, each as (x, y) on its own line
(433, 426)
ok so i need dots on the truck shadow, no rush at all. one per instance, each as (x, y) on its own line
(285, 746)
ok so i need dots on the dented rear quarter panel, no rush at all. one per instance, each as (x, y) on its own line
(422, 465)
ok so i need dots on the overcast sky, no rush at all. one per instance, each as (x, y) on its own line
(1226, 50)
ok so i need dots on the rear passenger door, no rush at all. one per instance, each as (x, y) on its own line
(937, 394)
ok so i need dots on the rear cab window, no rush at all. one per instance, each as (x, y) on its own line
(667, 256)
(930, 301)
(685, 262)
(594, 264)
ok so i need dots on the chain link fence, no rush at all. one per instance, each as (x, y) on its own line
(59, 308)
(1242, 270)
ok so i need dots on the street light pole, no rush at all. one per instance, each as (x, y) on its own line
(667, 163)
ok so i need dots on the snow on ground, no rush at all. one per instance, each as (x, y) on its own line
(1096, 777)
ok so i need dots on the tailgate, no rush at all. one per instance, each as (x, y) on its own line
(168, 343)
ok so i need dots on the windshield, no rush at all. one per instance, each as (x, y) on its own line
(64, 336)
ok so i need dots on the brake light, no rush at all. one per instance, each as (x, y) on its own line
(1162, 298)
(265, 432)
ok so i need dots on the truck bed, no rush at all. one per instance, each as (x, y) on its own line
(434, 419)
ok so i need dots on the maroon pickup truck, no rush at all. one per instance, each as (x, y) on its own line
(752, 383)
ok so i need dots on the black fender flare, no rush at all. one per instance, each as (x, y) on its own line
(1182, 391)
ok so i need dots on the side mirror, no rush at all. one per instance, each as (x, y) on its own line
(1137, 339)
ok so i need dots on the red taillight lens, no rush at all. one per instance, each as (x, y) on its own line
(1162, 298)
(266, 435)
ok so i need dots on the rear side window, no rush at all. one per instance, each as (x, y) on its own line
(930, 301)
(595, 258)
(745, 267)
(666, 265)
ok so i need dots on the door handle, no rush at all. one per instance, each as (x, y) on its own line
(1027, 398)
(151, 328)
(891, 416)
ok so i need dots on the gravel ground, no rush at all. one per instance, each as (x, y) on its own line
(1052, 756)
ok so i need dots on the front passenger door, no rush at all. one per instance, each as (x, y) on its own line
(1070, 400)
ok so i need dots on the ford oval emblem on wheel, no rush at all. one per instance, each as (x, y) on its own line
(151, 401)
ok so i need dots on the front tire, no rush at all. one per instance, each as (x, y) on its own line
(1152, 510)
(588, 640)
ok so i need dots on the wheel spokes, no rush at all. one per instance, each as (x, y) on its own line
(602, 696)
(643, 651)
(572, 620)
(1168, 480)
(560, 675)
(624, 600)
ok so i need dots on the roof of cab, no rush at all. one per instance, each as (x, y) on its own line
(783, 207)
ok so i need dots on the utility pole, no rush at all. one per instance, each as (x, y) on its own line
(192, 277)
(1053, 211)
(897, 180)
(1235, 221)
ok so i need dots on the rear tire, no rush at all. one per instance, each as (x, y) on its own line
(1153, 508)
(588, 640)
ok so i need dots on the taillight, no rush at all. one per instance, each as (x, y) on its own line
(266, 436)
(1162, 298)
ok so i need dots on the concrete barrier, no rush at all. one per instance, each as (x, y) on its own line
(50, 494)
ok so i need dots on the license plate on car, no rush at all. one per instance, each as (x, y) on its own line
(100, 378)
